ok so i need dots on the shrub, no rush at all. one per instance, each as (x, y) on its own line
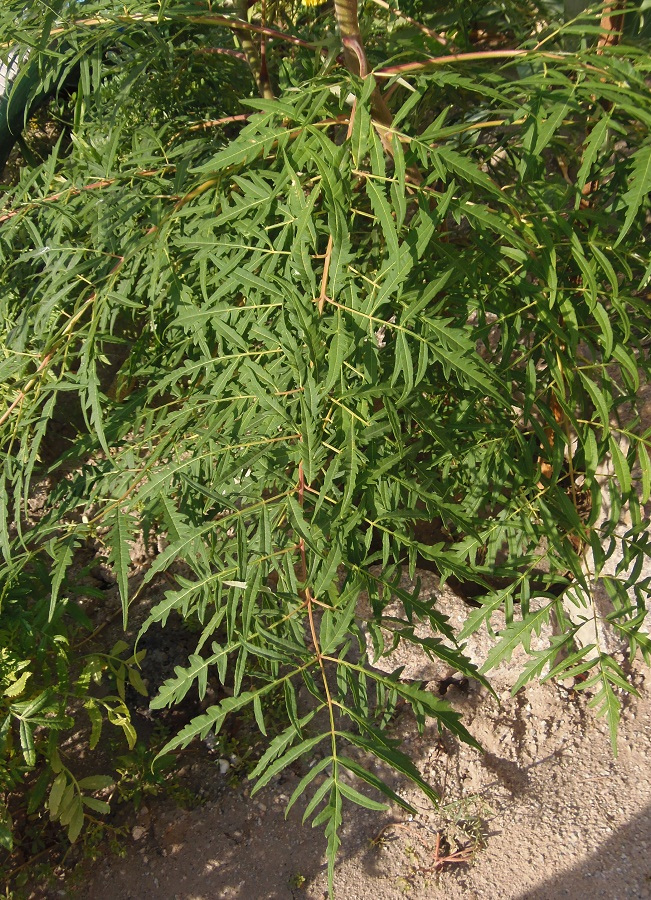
(400, 293)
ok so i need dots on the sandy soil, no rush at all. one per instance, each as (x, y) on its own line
(546, 812)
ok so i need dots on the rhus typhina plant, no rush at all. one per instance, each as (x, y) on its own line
(298, 287)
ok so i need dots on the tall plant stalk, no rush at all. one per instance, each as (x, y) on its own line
(355, 56)
(257, 61)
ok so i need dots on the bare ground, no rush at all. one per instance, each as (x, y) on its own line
(545, 812)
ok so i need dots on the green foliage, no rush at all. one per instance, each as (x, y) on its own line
(43, 680)
(291, 341)
(143, 773)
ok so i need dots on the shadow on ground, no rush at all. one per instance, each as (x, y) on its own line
(601, 875)
(237, 849)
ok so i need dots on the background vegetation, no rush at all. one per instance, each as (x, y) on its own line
(317, 304)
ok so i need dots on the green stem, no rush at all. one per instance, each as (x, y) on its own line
(252, 54)
(351, 37)
(355, 56)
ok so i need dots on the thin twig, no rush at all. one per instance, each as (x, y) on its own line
(474, 56)
(463, 855)
(69, 192)
(213, 123)
(264, 71)
(22, 394)
(309, 601)
(223, 51)
(75, 191)
(323, 296)
(207, 19)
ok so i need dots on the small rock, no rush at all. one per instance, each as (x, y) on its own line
(38, 502)
(138, 832)
(224, 766)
